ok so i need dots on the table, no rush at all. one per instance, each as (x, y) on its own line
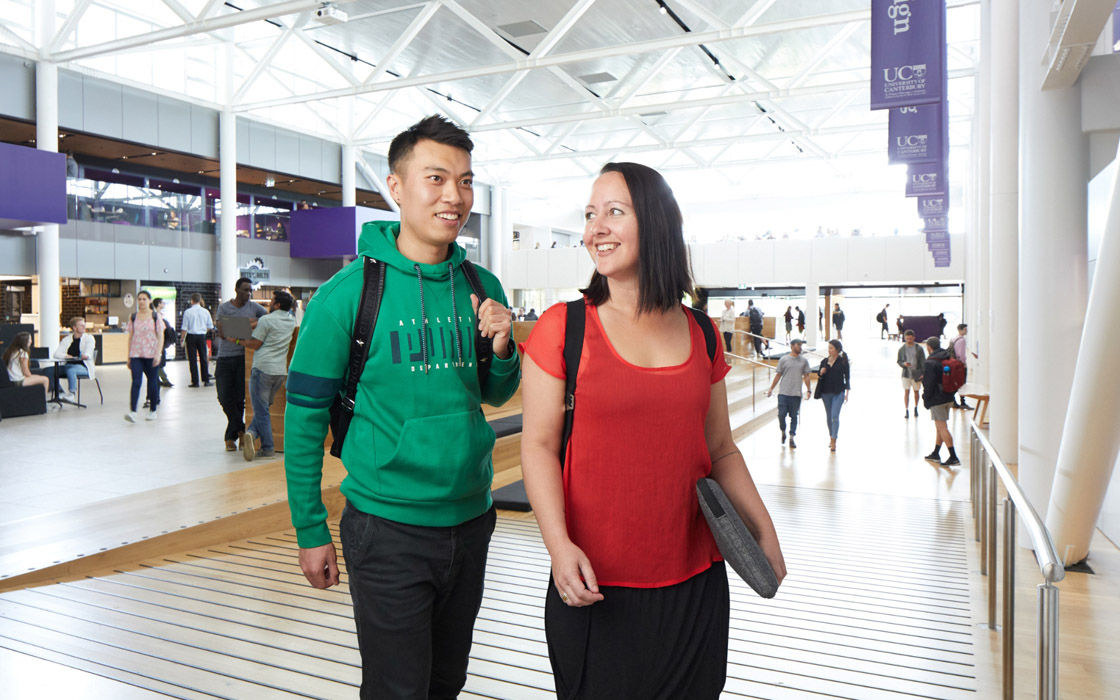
(55, 381)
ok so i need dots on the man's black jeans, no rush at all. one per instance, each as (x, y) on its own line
(416, 593)
(229, 374)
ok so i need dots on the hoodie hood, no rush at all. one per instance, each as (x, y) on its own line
(378, 240)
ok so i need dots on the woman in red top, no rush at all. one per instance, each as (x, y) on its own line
(638, 606)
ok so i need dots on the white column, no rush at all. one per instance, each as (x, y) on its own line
(496, 240)
(812, 298)
(349, 177)
(1053, 264)
(227, 156)
(1090, 441)
(46, 139)
(1003, 258)
(978, 323)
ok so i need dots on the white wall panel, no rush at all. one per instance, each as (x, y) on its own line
(67, 257)
(130, 261)
(793, 262)
(756, 263)
(101, 105)
(139, 116)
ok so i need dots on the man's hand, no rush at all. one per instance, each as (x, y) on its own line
(494, 322)
(319, 565)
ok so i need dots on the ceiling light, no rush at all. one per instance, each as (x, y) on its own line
(124, 157)
(663, 10)
(520, 29)
(154, 153)
(601, 77)
(175, 180)
(270, 181)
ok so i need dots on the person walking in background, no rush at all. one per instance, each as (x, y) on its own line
(912, 360)
(145, 347)
(418, 518)
(800, 321)
(270, 342)
(196, 323)
(727, 323)
(882, 317)
(899, 323)
(788, 316)
(230, 370)
(942, 321)
(638, 603)
(838, 320)
(833, 385)
(754, 316)
(937, 402)
(531, 316)
(17, 362)
(959, 348)
(77, 349)
(793, 369)
(169, 341)
(820, 319)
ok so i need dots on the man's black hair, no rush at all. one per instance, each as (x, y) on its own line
(283, 300)
(434, 128)
(962, 326)
(907, 333)
(157, 302)
(664, 276)
(240, 280)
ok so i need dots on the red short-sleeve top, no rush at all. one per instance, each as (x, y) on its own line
(636, 451)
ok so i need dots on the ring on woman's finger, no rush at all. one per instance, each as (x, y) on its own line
(564, 597)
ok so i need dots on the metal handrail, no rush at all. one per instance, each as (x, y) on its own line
(986, 465)
(753, 364)
(779, 342)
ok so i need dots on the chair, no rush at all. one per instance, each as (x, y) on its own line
(20, 400)
(97, 383)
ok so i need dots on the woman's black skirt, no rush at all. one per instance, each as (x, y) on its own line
(642, 643)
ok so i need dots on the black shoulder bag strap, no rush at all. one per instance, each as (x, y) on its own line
(484, 347)
(342, 411)
(705, 324)
(573, 348)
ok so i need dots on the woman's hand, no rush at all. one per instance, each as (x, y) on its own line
(573, 576)
(773, 552)
(845, 397)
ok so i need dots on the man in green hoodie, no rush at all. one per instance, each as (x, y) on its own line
(418, 518)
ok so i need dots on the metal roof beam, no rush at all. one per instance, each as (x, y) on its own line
(530, 63)
(265, 60)
(543, 49)
(279, 9)
(69, 25)
(842, 36)
(418, 23)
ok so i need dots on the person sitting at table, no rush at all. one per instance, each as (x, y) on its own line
(78, 349)
(17, 361)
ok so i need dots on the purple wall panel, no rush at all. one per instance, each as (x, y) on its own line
(32, 186)
(323, 233)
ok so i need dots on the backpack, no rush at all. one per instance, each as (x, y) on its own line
(952, 375)
(756, 316)
(573, 348)
(155, 321)
(170, 337)
(881, 317)
(373, 287)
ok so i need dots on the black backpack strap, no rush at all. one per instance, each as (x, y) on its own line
(573, 348)
(484, 347)
(373, 287)
(705, 324)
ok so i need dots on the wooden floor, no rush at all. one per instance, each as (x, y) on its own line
(866, 612)
(883, 600)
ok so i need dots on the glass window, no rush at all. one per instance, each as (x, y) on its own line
(271, 218)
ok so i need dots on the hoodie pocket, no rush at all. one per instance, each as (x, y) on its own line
(440, 458)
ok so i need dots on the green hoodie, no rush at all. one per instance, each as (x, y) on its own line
(418, 448)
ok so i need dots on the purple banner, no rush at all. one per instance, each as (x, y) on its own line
(907, 52)
(933, 206)
(936, 223)
(330, 231)
(32, 187)
(936, 236)
(915, 134)
(937, 246)
(925, 179)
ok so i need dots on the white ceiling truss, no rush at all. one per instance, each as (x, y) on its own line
(697, 84)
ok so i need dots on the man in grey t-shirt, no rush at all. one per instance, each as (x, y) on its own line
(229, 374)
(793, 369)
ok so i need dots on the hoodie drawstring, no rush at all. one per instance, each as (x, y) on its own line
(424, 317)
(455, 315)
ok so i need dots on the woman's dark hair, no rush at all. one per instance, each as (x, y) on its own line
(146, 293)
(664, 276)
(839, 348)
(434, 128)
(20, 341)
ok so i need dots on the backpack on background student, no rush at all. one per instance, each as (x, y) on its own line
(952, 375)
